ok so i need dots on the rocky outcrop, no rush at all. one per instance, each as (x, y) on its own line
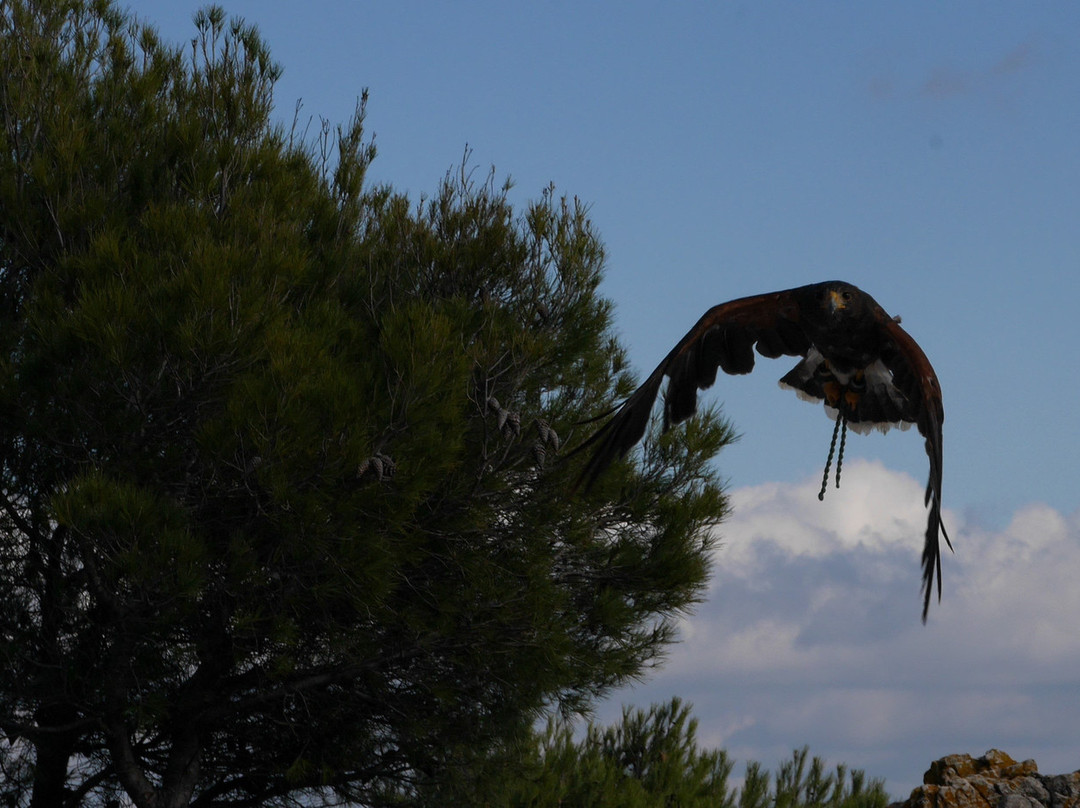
(994, 780)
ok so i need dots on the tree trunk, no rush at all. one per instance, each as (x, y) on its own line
(52, 753)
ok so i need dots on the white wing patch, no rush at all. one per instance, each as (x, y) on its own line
(806, 369)
(879, 382)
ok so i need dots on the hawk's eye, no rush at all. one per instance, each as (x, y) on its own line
(846, 295)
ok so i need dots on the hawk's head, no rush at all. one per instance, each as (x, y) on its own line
(841, 301)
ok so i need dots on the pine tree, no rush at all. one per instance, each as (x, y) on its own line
(282, 502)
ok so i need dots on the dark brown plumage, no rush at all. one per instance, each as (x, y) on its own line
(856, 358)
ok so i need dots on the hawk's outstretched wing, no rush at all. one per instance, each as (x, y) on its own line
(724, 338)
(914, 376)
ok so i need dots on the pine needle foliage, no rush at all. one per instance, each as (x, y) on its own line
(283, 508)
(652, 759)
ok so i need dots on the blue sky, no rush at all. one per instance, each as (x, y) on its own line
(925, 151)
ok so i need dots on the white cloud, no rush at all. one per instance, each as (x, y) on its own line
(873, 507)
(811, 632)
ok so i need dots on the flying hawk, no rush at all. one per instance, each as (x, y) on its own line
(857, 359)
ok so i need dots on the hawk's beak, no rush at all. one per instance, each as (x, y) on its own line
(836, 301)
